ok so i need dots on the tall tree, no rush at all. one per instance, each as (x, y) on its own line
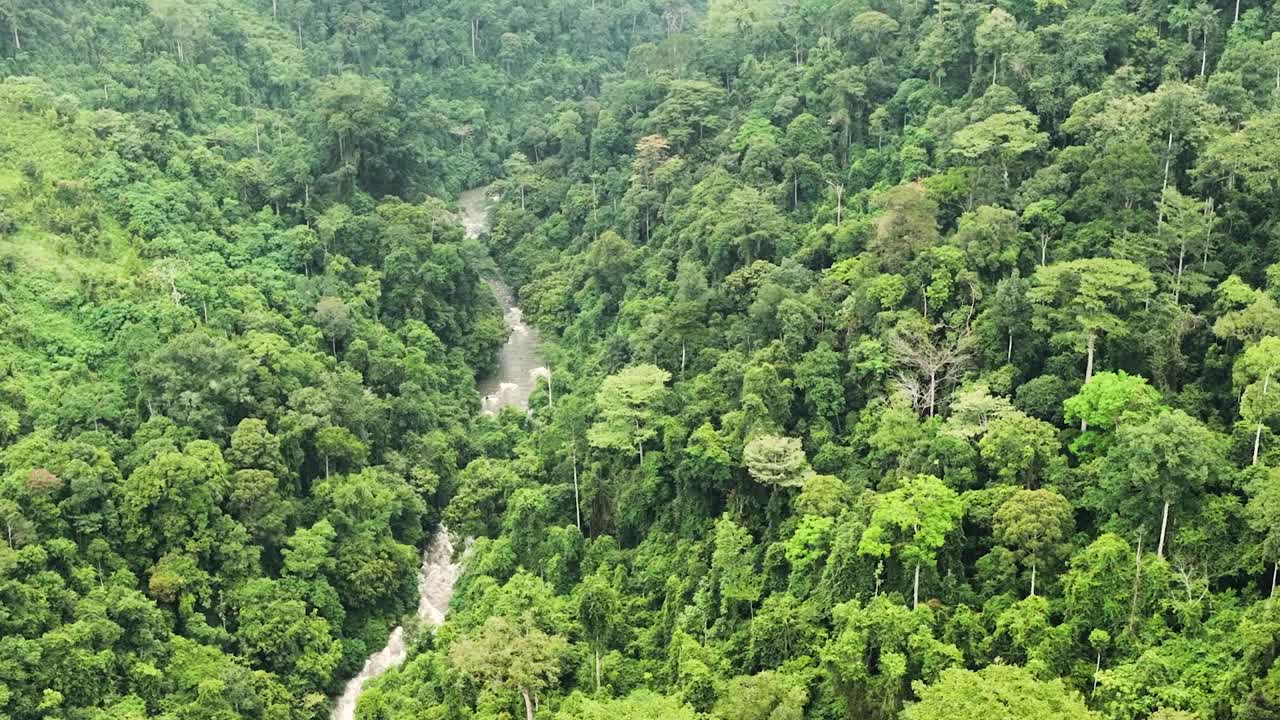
(626, 401)
(912, 522)
(1169, 460)
(1082, 300)
(1037, 524)
(599, 612)
(511, 654)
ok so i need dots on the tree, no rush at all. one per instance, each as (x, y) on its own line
(1002, 140)
(479, 499)
(520, 173)
(768, 695)
(334, 318)
(280, 632)
(639, 705)
(1252, 376)
(175, 496)
(1185, 233)
(1263, 515)
(912, 522)
(784, 628)
(1019, 448)
(990, 239)
(1037, 525)
(936, 364)
(1082, 300)
(1170, 459)
(354, 111)
(733, 565)
(1046, 220)
(334, 442)
(875, 653)
(778, 462)
(511, 654)
(1007, 692)
(1106, 402)
(907, 225)
(871, 29)
(599, 612)
(626, 401)
(994, 36)
(818, 375)
(1246, 314)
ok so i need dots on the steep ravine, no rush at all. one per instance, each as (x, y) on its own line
(519, 366)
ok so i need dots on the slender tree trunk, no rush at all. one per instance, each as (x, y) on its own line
(1204, 50)
(275, 9)
(1164, 526)
(933, 391)
(326, 467)
(1091, 345)
(1097, 668)
(1168, 158)
(577, 503)
(1257, 433)
(915, 590)
(1033, 579)
(597, 669)
(17, 42)
(1236, 19)
(1275, 570)
(1008, 357)
(528, 702)
(1137, 584)
(1208, 235)
(1177, 281)
(1044, 247)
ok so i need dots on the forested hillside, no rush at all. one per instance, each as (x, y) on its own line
(238, 344)
(909, 360)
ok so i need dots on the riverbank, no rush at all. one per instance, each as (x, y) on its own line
(519, 366)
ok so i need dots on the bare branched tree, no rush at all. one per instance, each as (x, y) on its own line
(928, 367)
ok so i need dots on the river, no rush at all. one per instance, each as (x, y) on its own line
(519, 367)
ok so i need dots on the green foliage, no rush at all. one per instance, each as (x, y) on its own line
(1002, 691)
(639, 705)
(775, 461)
(827, 270)
(1035, 523)
(512, 655)
(626, 402)
(912, 523)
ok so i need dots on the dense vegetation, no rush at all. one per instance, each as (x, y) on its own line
(237, 348)
(909, 360)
